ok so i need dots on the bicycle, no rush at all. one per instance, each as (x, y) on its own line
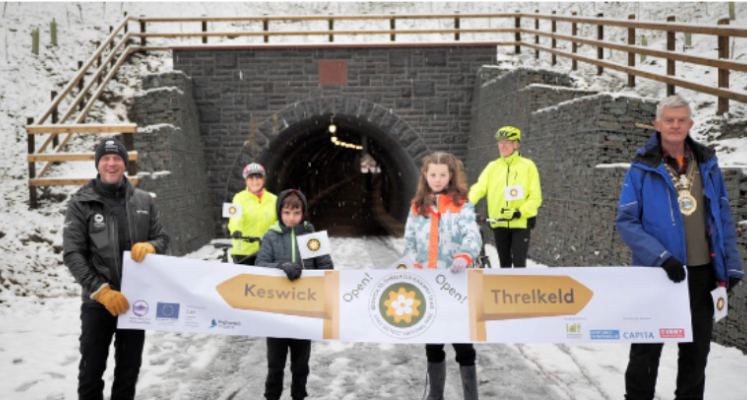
(483, 261)
(225, 246)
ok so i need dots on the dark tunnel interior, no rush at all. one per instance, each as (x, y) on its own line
(342, 199)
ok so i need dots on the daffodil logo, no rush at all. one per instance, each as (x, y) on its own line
(232, 210)
(313, 244)
(402, 266)
(514, 192)
(720, 303)
(403, 305)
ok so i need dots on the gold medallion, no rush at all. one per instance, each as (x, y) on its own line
(688, 204)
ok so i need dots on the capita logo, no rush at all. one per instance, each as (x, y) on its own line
(402, 305)
(224, 324)
(573, 331)
(604, 334)
(167, 311)
(671, 333)
(638, 335)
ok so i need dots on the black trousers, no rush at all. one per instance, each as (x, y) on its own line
(643, 366)
(98, 327)
(244, 260)
(277, 352)
(465, 353)
(512, 245)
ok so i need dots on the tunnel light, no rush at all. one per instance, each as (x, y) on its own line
(332, 128)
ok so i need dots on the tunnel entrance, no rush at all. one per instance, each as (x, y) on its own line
(342, 199)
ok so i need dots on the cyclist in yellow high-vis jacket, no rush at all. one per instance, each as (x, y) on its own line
(512, 184)
(257, 215)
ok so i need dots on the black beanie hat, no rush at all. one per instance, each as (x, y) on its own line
(111, 146)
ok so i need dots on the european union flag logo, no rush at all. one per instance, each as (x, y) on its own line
(168, 310)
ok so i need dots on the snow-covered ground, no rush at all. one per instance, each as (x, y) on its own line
(39, 301)
(39, 358)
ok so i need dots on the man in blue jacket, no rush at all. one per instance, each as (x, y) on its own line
(674, 213)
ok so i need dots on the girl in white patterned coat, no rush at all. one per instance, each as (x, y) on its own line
(441, 233)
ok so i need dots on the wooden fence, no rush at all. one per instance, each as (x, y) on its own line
(112, 53)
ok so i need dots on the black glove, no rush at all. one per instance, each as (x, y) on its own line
(236, 235)
(517, 215)
(732, 283)
(675, 269)
(292, 270)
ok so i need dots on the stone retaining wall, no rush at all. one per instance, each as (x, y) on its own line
(171, 160)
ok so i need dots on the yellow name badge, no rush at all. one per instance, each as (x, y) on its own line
(514, 192)
(503, 297)
(312, 297)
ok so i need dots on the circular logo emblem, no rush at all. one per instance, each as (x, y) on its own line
(140, 308)
(720, 303)
(402, 305)
(98, 218)
(313, 244)
(232, 210)
(402, 266)
(514, 192)
(168, 310)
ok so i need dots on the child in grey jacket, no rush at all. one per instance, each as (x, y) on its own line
(280, 250)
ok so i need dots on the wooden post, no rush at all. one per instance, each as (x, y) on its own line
(266, 28)
(536, 37)
(82, 104)
(32, 165)
(600, 49)
(204, 29)
(574, 46)
(331, 28)
(517, 37)
(142, 30)
(554, 41)
(126, 23)
(723, 74)
(129, 143)
(392, 26)
(670, 63)
(55, 118)
(456, 26)
(631, 55)
(111, 45)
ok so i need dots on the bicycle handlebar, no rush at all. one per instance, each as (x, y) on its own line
(230, 245)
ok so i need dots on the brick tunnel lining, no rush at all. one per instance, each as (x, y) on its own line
(342, 199)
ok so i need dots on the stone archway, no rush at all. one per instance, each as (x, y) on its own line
(295, 147)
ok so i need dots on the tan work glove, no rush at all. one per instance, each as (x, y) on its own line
(139, 250)
(114, 301)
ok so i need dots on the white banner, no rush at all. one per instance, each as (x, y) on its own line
(553, 305)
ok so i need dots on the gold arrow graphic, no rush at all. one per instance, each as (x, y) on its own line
(313, 297)
(502, 297)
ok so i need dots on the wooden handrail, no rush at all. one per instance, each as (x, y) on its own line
(660, 78)
(671, 55)
(323, 33)
(131, 156)
(81, 128)
(658, 26)
(81, 73)
(323, 17)
(101, 87)
(94, 79)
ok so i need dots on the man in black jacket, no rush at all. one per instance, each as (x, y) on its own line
(105, 218)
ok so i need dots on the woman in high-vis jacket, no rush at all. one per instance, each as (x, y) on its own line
(257, 215)
(512, 184)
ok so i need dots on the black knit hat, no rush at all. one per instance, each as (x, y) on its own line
(111, 146)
